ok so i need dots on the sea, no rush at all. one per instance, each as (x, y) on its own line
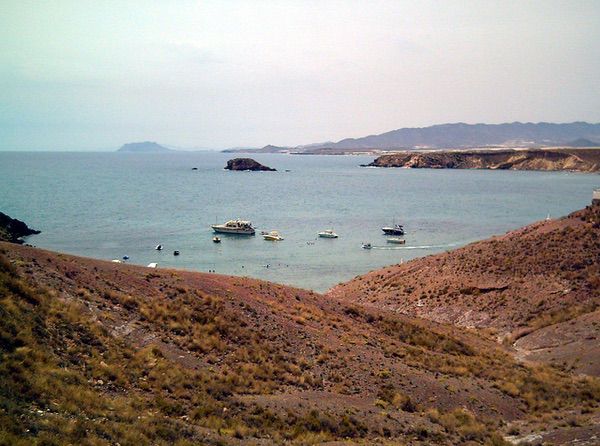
(110, 205)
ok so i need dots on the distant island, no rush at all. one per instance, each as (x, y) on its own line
(247, 164)
(580, 160)
(143, 147)
(455, 136)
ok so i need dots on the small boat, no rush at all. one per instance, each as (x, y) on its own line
(125, 257)
(216, 239)
(367, 246)
(396, 240)
(152, 265)
(158, 247)
(393, 230)
(328, 233)
(273, 236)
(175, 253)
(116, 261)
(240, 227)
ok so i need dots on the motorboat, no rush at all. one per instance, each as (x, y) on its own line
(175, 253)
(393, 230)
(240, 227)
(152, 265)
(328, 233)
(158, 247)
(396, 240)
(273, 236)
(216, 239)
(367, 246)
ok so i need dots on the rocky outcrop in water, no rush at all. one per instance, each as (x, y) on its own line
(246, 164)
(555, 159)
(11, 229)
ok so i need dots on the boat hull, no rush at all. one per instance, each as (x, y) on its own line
(237, 231)
(392, 231)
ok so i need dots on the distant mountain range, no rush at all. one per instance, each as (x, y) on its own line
(459, 135)
(143, 147)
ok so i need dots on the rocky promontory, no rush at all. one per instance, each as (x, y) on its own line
(581, 160)
(246, 164)
(11, 229)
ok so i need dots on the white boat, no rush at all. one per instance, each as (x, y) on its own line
(328, 233)
(241, 227)
(273, 236)
(367, 246)
(393, 230)
(396, 240)
(152, 265)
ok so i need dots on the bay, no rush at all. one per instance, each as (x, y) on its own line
(107, 205)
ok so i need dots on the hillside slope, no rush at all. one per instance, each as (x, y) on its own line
(96, 352)
(513, 285)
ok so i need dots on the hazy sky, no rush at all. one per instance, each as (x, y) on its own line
(96, 74)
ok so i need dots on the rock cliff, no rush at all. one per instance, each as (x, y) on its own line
(551, 159)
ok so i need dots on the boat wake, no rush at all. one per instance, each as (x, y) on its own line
(449, 245)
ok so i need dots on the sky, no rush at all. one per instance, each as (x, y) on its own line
(93, 75)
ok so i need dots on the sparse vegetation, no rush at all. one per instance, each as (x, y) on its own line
(97, 354)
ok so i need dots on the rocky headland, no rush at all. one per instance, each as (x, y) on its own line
(581, 160)
(247, 164)
(12, 230)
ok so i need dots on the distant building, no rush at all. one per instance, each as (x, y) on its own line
(596, 196)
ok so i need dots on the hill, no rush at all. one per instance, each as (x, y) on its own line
(143, 147)
(456, 136)
(461, 135)
(95, 352)
(582, 160)
(582, 142)
(538, 286)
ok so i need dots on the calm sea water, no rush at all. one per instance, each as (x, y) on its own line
(107, 205)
